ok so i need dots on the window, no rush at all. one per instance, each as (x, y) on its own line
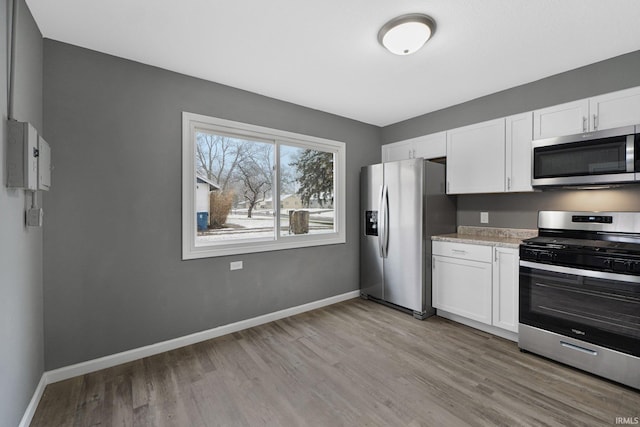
(248, 188)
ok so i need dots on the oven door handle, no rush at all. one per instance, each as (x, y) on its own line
(580, 272)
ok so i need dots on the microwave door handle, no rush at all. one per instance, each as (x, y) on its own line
(630, 154)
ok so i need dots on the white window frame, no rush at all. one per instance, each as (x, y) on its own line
(190, 250)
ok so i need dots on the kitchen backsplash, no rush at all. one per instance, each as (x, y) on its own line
(520, 210)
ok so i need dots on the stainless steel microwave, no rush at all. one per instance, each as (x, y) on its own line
(609, 156)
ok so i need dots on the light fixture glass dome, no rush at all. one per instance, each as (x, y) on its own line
(406, 34)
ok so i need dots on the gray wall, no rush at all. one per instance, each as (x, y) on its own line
(21, 324)
(114, 278)
(520, 210)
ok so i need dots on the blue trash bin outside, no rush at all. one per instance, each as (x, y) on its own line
(203, 221)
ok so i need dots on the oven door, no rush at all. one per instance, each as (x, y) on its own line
(597, 307)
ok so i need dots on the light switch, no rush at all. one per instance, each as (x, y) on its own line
(484, 217)
(235, 265)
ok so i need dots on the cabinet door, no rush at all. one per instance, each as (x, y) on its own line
(505, 288)
(519, 131)
(432, 146)
(462, 287)
(475, 158)
(563, 119)
(615, 109)
(397, 151)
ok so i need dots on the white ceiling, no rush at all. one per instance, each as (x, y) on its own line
(325, 54)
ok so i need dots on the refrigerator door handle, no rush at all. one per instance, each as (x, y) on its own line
(385, 221)
(381, 222)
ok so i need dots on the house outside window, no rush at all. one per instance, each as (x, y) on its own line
(233, 172)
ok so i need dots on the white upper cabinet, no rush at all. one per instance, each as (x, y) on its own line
(519, 130)
(431, 146)
(476, 158)
(428, 147)
(397, 151)
(563, 119)
(615, 109)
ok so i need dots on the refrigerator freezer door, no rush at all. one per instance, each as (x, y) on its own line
(404, 264)
(371, 182)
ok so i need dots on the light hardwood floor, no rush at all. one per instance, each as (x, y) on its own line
(356, 363)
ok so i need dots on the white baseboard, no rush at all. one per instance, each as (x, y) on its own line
(89, 366)
(150, 350)
(33, 405)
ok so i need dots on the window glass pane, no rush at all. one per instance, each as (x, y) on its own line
(234, 185)
(306, 191)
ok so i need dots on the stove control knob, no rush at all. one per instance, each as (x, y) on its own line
(619, 265)
(546, 256)
(608, 262)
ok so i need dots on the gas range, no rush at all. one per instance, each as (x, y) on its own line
(587, 240)
(579, 292)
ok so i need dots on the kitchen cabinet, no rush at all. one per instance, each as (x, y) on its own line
(506, 266)
(476, 158)
(430, 146)
(616, 109)
(519, 135)
(611, 110)
(398, 151)
(491, 157)
(564, 119)
(478, 282)
(461, 277)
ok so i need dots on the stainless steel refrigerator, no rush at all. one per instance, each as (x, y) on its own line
(402, 204)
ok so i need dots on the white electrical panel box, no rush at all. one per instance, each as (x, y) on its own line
(44, 165)
(28, 158)
(22, 152)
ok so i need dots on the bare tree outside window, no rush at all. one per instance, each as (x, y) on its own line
(243, 169)
(256, 175)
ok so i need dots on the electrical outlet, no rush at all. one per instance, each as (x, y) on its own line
(235, 265)
(484, 217)
(34, 217)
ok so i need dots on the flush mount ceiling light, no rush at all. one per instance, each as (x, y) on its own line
(406, 34)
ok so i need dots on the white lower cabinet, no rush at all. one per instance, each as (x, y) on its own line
(506, 266)
(478, 282)
(465, 289)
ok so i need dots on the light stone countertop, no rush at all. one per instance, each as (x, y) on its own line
(501, 237)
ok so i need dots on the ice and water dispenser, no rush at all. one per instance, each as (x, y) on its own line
(371, 223)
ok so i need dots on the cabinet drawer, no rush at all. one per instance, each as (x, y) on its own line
(482, 253)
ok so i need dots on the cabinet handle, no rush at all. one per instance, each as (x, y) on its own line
(433, 263)
(495, 255)
(410, 156)
(414, 153)
(584, 123)
(458, 251)
(509, 183)
(448, 187)
(595, 122)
